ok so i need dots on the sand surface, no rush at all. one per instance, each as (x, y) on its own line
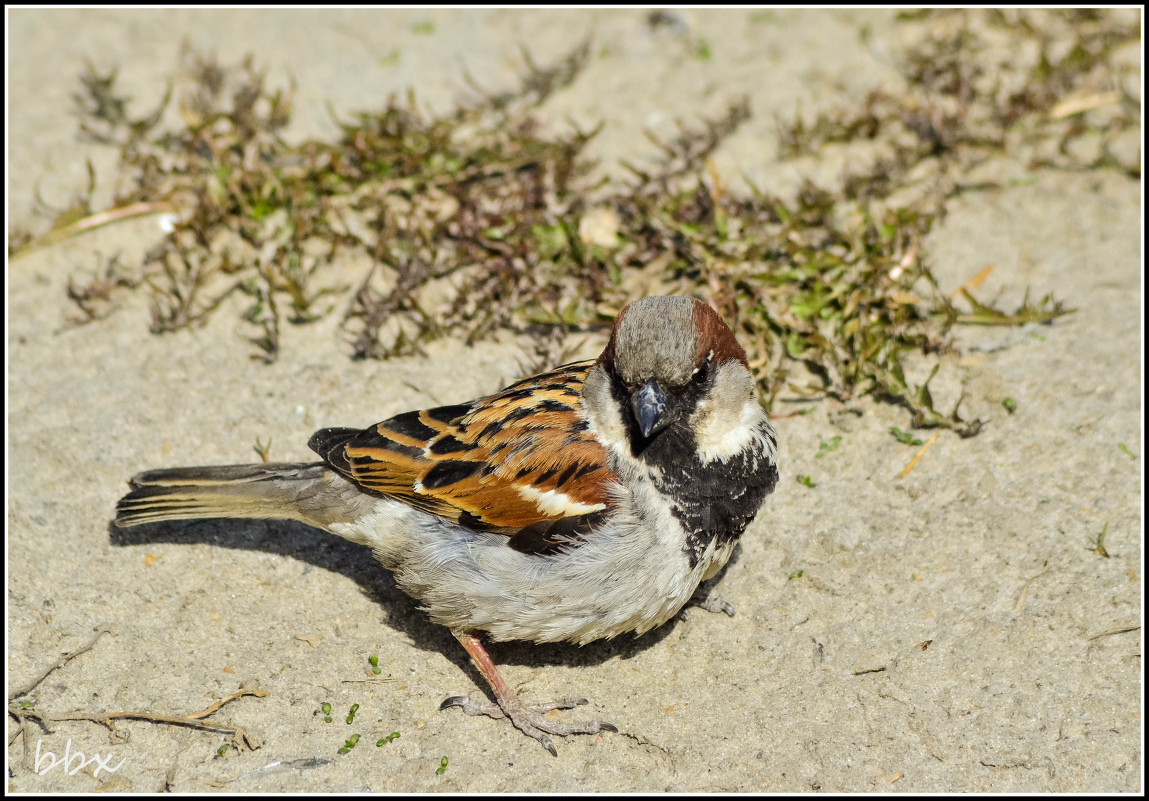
(983, 550)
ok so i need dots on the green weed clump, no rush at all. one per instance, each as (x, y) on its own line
(480, 219)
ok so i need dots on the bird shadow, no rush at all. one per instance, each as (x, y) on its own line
(401, 612)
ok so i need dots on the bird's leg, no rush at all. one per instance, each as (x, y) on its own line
(530, 720)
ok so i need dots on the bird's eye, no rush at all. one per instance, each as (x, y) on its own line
(701, 373)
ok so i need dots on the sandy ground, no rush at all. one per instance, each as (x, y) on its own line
(982, 550)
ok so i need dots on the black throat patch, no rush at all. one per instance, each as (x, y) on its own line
(716, 501)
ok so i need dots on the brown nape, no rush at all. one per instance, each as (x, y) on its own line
(716, 335)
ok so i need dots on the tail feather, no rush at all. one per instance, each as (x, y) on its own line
(260, 491)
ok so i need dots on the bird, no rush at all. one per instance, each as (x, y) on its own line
(575, 505)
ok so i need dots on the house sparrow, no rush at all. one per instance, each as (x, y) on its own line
(574, 505)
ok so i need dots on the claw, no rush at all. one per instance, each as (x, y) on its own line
(710, 603)
(454, 700)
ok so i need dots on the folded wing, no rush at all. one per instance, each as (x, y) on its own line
(519, 461)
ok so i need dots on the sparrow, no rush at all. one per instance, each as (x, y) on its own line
(574, 505)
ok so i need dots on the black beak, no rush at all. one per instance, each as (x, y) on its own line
(650, 408)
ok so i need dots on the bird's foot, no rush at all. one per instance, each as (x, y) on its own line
(531, 719)
(710, 603)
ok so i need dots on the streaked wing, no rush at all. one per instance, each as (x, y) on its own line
(514, 459)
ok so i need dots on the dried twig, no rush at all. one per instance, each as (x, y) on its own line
(240, 737)
(1025, 590)
(919, 455)
(197, 720)
(32, 685)
(1111, 632)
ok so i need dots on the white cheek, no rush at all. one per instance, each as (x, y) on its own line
(729, 421)
(601, 411)
(723, 435)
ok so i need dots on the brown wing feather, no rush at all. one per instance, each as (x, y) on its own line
(513, 459)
